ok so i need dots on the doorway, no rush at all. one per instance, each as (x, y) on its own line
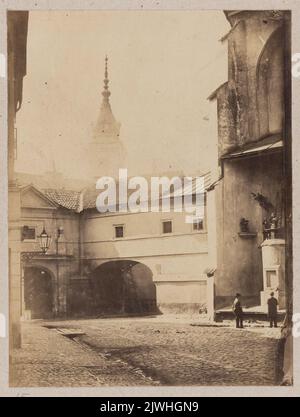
(38, 292)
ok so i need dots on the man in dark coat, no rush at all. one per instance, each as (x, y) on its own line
(238, 311)
(272, 310)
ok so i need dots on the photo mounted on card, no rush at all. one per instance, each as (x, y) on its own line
(149, 188)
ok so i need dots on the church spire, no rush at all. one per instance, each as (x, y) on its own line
(107, 128)
(106, 93)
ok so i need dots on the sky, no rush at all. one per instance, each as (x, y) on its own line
(162, 67)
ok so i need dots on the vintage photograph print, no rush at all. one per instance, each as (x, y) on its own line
(150, 198)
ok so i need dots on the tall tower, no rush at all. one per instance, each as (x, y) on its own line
(108, 154)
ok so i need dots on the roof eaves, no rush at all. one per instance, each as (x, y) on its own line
(213, 95)
(257, 149)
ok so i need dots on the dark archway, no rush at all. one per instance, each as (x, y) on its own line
(123, 287)
(38, 292)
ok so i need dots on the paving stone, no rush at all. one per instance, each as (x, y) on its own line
(127, 352)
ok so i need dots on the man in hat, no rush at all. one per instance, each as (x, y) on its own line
(238, 311)
(272, 310)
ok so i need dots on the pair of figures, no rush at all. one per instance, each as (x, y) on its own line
(238, 310)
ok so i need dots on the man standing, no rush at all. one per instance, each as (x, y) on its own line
(272, 310)
(238, 311)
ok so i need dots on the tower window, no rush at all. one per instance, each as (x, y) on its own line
(167, 226)
(119, 231)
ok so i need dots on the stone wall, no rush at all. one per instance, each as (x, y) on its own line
(250, 104)
(177, 260)
(239, 258)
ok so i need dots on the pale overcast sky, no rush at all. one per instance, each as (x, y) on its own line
(162, 68)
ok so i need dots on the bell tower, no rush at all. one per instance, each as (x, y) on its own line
(107, 148)
(107, 128)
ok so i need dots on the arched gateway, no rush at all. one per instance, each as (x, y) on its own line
(123, 287)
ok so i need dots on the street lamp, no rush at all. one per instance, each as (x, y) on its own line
(44, 241)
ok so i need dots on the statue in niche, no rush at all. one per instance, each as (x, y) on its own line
(244, 225)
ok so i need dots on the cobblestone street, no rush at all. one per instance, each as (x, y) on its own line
(143, 351)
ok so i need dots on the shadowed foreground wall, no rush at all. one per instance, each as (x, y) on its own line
(239, 258)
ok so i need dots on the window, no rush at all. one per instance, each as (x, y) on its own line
(119, 231)
(28, 233)
(167, 226)
(197, 224)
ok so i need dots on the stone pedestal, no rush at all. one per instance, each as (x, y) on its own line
(273, 258)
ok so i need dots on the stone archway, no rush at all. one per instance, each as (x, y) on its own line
(123, 287)
(38, 292)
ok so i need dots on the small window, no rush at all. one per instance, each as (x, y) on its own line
(167, 226)
(197, 224)
(119, 231)
(28, 233)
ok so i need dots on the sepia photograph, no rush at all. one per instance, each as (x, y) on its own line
(149, 184)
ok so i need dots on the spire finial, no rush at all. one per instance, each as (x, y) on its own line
(107, 128)
(106, 92)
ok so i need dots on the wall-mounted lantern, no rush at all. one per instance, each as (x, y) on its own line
(44, 241)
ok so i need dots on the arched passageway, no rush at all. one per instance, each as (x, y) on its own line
(123, 287)
(38, 292)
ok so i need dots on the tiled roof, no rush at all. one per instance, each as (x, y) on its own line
(65, 198)
(193, 187)
(89, 198)
(86, 199)
(90, 194)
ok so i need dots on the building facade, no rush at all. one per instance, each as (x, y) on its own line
(250, 194)
(109, 263)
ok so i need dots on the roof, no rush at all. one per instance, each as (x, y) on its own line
(214, 94)
(89, 198)
(193, 187)
(68, 199)
(226, 36)
(86, 198)
(107, 128)
(269, 144)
